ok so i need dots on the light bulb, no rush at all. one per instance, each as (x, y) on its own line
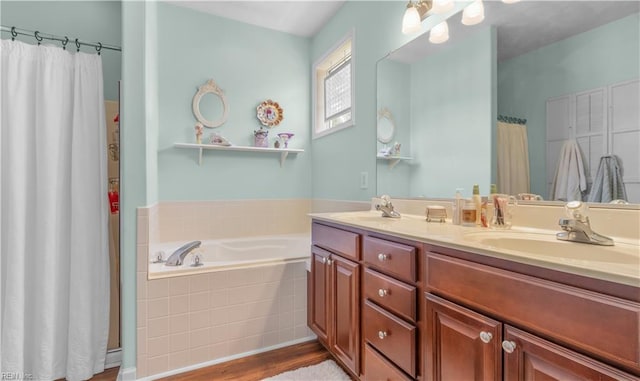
(442, 6)
(439, 33)
(474, 13)
(411, 21)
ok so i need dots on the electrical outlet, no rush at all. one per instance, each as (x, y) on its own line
(364, 180)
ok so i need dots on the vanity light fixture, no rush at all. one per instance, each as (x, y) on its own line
(474, 13)
(439, 33)
(413, 16)
(442, 6)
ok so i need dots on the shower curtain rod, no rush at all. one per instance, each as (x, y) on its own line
(64, 40)
(510, 119)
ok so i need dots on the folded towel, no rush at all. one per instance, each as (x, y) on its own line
(570, 180)
(608, 184)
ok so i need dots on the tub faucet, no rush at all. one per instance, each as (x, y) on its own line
(386, 207)
(177, 257)
(577, 228)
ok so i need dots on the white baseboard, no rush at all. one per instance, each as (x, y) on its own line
(222, 359)
(114, 358)
(128, 374)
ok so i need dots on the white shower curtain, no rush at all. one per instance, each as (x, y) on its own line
(513, 158)
(53, 228)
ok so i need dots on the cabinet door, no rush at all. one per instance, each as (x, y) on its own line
(320, 294)
(346, 316)
(528, 357)
(460, 344)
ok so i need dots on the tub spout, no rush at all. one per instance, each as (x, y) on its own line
(177, 257)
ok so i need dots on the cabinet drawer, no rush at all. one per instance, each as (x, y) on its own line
(601, 325)
(339, 241)
(390, 293)
(390, 335)
(391, 257)
(377, 368)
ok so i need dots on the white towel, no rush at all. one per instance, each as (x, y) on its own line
(570, 181)
(608, 184)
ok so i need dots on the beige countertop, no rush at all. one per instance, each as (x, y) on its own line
(538, 247)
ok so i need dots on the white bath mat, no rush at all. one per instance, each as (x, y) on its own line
(325, 371)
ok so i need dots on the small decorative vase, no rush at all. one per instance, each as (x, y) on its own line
(260, 138)
(285, 137)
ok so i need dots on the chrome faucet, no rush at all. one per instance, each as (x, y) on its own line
(386, 207)
(577, 228)
(177, 257)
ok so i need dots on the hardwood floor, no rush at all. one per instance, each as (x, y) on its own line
(252, 368)
(107, 375)
(262, 365)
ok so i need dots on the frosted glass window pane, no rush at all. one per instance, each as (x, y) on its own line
(337, 91)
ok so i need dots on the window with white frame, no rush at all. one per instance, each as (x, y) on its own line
(333, 100)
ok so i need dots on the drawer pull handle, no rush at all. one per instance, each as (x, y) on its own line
(324, 260)
(508, 346)
(382, 257)
(382, 292)
(486, 337)
(382, 335)
(329, 262)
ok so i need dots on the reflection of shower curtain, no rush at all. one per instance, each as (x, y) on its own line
(54, 259)
(513, 158)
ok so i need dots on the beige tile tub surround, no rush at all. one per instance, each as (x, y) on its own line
(195, 319)
(200, 220)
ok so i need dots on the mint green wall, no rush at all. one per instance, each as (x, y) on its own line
(394, 86)
(602, 56)
(133, 171)
(339, 158)
(95, 21)
(251, 64)
(452, 116)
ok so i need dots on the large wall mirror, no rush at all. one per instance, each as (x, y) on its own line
(570, 67)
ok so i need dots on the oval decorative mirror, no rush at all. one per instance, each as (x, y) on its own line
(386, 126)
(209, 87)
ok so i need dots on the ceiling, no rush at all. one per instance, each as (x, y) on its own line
(302, 18)
(521, 27)
(525, 26)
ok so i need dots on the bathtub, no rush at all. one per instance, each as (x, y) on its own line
(232, 253)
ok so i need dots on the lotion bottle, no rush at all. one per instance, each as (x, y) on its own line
(477, 200)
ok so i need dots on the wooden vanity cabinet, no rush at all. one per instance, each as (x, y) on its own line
(564, 333)
(534, 359)
(464, 345)
(334, 305)
(461, 344)
(390, 323)
(417, 311)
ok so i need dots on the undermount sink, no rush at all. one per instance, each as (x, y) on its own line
(546, 245)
